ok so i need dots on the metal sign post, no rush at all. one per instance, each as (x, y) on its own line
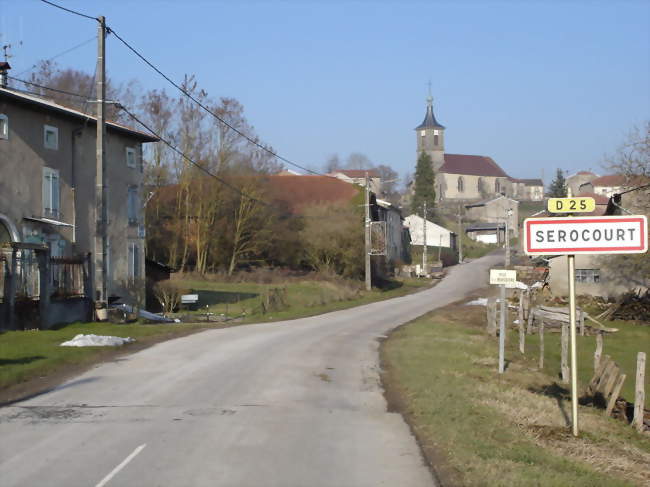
(504, 278)
(574, 358)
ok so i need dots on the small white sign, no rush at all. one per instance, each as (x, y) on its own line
(586, 235)
(503, 276)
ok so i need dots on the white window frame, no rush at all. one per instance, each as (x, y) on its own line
(4, 127)
(55, 131)
(51, 198)
(129, 151)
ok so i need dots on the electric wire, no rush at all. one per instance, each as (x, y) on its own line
(199, 166)
(70, 10)
(56, 56)
(220, 119)
(48, 88)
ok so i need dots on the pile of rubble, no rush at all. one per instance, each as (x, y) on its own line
(633, 306)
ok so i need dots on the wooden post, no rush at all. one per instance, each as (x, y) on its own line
(541, 344)
(615, 392)
(531, 319)
(520, 321)
(639, 394)
(565, 353)
(582, 322)
(599, 350)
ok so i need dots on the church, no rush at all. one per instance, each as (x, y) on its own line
(461, 177)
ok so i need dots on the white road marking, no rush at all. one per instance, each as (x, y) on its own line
(114, 472)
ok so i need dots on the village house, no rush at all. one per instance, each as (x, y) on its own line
(48, 191)
(437, 236)
(494, 211)
(461, 177)
(610, 184)
(576, 180)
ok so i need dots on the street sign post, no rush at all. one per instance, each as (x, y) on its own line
(583, 235)
(571, 205)
(504, 279)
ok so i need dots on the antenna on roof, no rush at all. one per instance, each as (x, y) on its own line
(5, 49)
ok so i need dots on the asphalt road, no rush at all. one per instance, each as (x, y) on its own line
(294, 403)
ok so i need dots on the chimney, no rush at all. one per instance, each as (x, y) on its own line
(4, 67)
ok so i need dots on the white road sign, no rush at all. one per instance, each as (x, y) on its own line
(586, 235)
(503, 276)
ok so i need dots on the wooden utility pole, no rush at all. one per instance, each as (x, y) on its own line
(424, 244)
(460, 234)
(367, 236)
(101, 240)
(639, 393)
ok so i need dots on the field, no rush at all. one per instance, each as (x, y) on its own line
(479, 428)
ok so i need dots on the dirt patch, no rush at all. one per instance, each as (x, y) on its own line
(40, 385)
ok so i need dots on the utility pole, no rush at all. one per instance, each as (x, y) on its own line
(424, 245)
(460, 234)
(508, 213)
(367, 236)
(101, 239)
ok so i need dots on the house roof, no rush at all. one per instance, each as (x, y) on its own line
(488, 201)
(357, 173)
(599, 198)
(471, 165)
(429, 119)
(528, 182)
(55, 107)
(610, 180)
(298, 192)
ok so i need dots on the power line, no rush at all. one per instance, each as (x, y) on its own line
(70, 10)
(63, 92)
(63, 53)
(197, 165)
(189, 95)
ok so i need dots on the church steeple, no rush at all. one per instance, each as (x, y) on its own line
(430, 135)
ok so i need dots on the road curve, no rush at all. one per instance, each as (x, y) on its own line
(294, 403)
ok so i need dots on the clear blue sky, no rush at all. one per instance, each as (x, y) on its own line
(532, 84)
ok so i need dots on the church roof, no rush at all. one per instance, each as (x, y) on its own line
(471, 165)
(528, 182)
(429, 119)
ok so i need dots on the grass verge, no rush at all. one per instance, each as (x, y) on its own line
(478, 428)
(33, 361)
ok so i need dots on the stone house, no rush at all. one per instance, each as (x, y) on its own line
(527, 189)
(437, 236)
(47, 192)
(576, 180)
(495, 211)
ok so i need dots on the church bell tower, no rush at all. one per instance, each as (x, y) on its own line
(431, 137)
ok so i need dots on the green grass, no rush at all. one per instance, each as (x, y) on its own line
(506, 430)
(28, 354)
(303, 298)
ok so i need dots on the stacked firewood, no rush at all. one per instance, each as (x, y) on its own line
(631, 306)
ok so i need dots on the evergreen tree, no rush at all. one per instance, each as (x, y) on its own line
(558, 189)
(424, 186)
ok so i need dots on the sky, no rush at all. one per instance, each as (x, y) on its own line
(535, 85)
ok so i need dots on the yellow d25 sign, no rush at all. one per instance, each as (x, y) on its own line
(571, 205)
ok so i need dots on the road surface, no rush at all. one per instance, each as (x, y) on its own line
(294, 403)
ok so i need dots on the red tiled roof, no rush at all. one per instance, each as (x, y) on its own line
(585, 173)
(472, 165)
(357, 173)
(610, 180)
(297, 192)
(599, 198)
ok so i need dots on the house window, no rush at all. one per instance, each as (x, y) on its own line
(4, 126)
(588, 275)
(497, 186)
(51, 191)
(461, 185)
(50, 137)
(134, 260)
(423, 133)
(131, 157)
(435, 140)
(133, 202)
